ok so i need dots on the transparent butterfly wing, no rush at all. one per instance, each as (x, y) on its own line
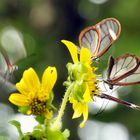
(6, 78)
(123, 70)
(6, 69)
(132, 79)
(12, 42)
(12, 50)
(100, 37)
(3, 65)
(109, 30)
(120, 101)
(89, 38)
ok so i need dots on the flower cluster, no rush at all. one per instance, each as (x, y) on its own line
(83, 78)
(35, 97)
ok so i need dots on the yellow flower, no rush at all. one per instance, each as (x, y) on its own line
(82, 76)
(33, 93)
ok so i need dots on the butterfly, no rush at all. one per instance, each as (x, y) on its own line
(12, 50)
(122, 71)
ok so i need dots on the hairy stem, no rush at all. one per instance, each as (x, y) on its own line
(57, 123)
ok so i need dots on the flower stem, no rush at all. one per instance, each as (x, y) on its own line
(57, 122)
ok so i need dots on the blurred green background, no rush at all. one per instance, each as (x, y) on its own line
(42, 24)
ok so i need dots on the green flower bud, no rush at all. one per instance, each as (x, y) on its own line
(76, 71)
(78, 90)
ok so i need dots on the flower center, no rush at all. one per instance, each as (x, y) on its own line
(93, 87)
(38, 107)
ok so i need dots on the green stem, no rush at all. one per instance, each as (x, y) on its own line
(57, 123)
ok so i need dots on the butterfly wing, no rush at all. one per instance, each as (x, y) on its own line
(111, 98)
(99, 38)
(124, 70)
(132, 79)
(3, 65)
(109, 30)
(12, 47)
(11, 51)
(89, 38)
(12, 44)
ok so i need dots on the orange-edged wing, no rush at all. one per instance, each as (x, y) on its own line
(99, 38)
(124, 70)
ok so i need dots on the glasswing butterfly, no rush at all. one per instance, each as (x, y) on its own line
(122, 71)
(12, 50)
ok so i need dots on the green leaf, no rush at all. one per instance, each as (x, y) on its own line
(40, 119)
(17, 125)
(24, 109)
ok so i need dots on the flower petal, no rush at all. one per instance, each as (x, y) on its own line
(86, 96)
(22, 87)
(77, 107)
(85, 115)
(48, 114)
(85, 55)
(49, 79)
(19, 99)
(31, 81)
(72, 49)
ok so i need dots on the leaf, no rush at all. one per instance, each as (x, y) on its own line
(40, 119)
(17, 125)
(24, 109)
